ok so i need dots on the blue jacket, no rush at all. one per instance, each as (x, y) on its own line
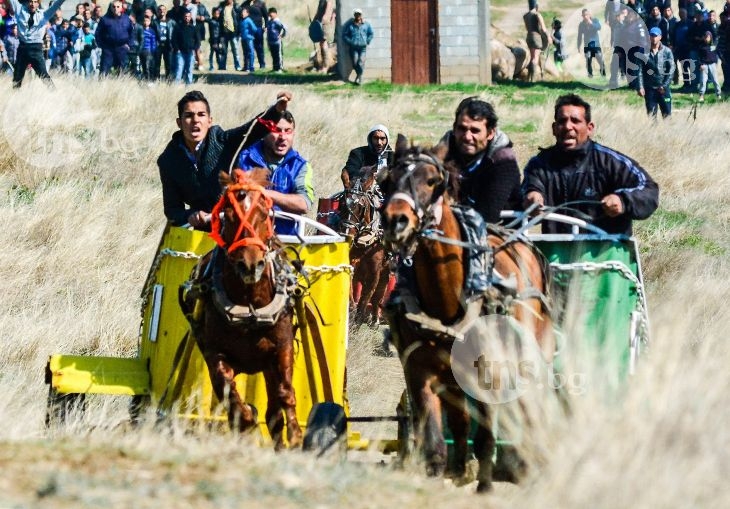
(275, 30)
(358, 36)
(293, 175)
(114, 32)
(248, 29)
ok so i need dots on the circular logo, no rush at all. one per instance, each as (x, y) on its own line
(498, 360)
(604, 44)
(48, 134)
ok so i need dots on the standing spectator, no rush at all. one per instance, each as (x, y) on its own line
(185, 41)
(696, 38)
(166, 29)
(608, 186)
(681, 51)
(62, 59)
(12, 42)
(148, 49)
(31, 21)
(87, 50)
(214, 38)
(559, 55)
(656, 75)
(178, 11)
(668, 25)
(275, 32)
(537, 37)
(588, 30)
(114, 35)
(357, 33)
(134, 47)
(229, 30)
(654, 18)
(200, 17)
(321, 32)
(77, 42)
(248, 33)
(708, 67)
(259, 15)
(723, 47)
(619, 41)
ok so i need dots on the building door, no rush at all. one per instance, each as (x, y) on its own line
(414, 41)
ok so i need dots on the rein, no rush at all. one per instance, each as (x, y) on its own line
(246, 234)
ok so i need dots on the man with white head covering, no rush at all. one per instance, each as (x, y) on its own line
(375, 155)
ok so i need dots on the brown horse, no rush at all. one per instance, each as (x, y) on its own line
(243, 316)
(360, 219)
(424, 316)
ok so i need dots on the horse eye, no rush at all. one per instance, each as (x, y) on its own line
(433, 181)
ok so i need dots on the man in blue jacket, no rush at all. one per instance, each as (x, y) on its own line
(31, 21)
(357, 34)
(290, 174)
(114, 36)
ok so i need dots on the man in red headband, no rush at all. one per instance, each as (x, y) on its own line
(290, 174)
(198, 152)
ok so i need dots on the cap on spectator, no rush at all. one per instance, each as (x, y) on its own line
(708, 33)
(655, 31)
(357, 11)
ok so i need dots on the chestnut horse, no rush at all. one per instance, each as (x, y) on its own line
(360, 219)
(419, 190)
(243, 315)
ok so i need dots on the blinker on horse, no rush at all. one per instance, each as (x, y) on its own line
(240, 310)
(420, 224)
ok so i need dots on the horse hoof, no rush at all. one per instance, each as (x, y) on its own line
(484, 487)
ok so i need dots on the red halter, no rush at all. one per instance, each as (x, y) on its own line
(246, 234)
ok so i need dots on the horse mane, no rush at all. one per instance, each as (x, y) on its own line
(258, 176)
(438, 152)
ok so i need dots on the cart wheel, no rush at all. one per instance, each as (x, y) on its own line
(60, 406)
(406, 428)
(326, 427)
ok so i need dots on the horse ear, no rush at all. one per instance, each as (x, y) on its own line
(401, 145)
(224, 179)
(441, 150)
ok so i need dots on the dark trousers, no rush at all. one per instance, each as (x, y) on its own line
(277, 55)
(147, 62)
(258, 46)
(114, 58)
(655, 100)
(30, 54)
(162, 54)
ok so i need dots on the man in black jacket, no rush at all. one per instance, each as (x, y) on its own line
(198, 152)
(595, 180)
(185, 42)
(490, 176)
(376, 154)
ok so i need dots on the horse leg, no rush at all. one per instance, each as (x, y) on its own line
(484, 442)
(429, 430)
(457, 417)
(274, 415)
(285, 390)
(378, 298)
(240, 414)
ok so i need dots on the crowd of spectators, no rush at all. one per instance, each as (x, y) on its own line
(150, 41)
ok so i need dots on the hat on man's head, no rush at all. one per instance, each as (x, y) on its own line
(357, 11)
(655, 31)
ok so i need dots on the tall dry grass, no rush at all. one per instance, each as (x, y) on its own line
(80, 218)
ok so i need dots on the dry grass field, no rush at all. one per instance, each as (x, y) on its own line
(80, 218)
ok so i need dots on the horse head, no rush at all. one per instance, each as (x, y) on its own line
(359, 205)
(242, 222)
(416, 183)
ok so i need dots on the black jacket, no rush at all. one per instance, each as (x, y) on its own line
(185, 38)
(494, 184)
(196, 184)
(588, 174)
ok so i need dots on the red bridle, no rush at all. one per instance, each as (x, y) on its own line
(246, 234)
